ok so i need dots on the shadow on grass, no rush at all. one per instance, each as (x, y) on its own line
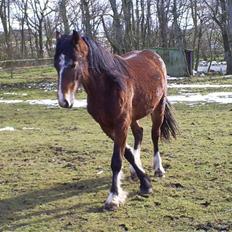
(10, 208)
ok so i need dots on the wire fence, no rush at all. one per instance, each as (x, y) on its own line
(10, 66)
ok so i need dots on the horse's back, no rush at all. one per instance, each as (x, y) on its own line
(148, 78)
(137, 58)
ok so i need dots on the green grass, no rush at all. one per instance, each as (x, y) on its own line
(49, 180)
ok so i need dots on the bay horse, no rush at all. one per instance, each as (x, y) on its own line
(120, 91)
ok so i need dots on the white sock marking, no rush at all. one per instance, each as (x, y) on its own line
(119, 199)
(157, 163)
(136, 154)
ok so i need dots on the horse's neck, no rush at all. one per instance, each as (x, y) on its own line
(93, 85)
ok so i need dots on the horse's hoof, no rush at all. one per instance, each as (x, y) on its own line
(114, 201)
(111, 206)
(159, 173)
(145, 192)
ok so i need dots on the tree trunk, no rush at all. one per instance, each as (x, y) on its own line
(85, 7)
(178, 41)
(228, 54)
(40, 31)
(147, 38)
(64, 18)
(162, 11)
(127, 6)
(4, 16)
(117, 30)
(197, 55)
(224, 21)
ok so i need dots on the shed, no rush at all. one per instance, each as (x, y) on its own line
(179, 62)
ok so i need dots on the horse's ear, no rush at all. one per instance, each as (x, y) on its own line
(75, 37)
(58, 35)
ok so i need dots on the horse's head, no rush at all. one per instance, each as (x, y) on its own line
(68, 61)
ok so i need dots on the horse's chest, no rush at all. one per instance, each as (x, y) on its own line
(99, 112)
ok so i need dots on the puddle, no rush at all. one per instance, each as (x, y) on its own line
(198, 86)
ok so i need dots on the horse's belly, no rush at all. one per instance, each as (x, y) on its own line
(139, 113)
(144, 105)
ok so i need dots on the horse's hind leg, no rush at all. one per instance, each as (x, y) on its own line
(138, 136)
(133, 157)
(145, 184)
(157, 120)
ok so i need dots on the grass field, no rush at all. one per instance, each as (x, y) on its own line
(55, 167)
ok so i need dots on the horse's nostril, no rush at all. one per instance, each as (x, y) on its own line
(66, 104)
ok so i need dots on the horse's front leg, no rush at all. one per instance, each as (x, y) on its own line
(117, 196)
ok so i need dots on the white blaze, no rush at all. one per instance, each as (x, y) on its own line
(62, 67)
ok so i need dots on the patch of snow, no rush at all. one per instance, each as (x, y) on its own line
(80, 103)
(198, 86)
(100, 172)
(215, 67)
(174, 78)
(8, 128)
(193, 98)
(47, 102)
(219, 97)
(194, 72)
(54, 103)
(11, 101)
(30, 128)
(15, 94)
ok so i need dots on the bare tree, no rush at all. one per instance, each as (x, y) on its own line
(163, 9)
(117, 28)
(36, 21)
(177, 11)
(221, 14)
(21, 15)
(63, 15)
(5, 20)
(127, 8)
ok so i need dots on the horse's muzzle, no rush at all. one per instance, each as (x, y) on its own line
(65, 104)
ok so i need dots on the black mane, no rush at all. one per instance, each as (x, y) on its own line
(103, 62)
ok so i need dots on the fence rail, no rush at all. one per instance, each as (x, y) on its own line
(14, 64)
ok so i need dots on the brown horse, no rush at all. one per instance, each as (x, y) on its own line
(120, 91)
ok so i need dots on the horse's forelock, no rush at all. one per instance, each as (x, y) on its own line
(64, 46)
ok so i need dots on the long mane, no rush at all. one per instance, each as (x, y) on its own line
(102, 61)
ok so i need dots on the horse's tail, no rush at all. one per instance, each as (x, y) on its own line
(169, 126)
